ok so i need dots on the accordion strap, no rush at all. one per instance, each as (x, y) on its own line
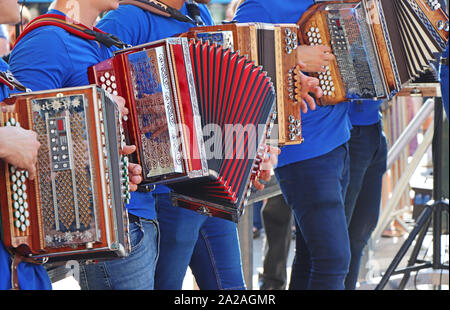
(74, 28)
(9, 80)
(159, 8)
(16, 259)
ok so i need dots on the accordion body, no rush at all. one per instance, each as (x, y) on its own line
(199, 116)
(75, 207)
(272, 46)
(380, 45)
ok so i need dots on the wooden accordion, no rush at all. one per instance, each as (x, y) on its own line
(380, 45)
(75, 207)
(272, 46)
(199, 115)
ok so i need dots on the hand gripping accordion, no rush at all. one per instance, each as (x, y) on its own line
(380, 45)
(75, 208)
(199, 116)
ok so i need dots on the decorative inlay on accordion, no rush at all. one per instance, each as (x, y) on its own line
(273, 46)
(380, 45)
(200, 115)
(75, 208)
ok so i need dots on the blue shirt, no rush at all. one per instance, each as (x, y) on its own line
(136, 26)
(365, 112)
(50, 57)
(31, 277)
(323, 129)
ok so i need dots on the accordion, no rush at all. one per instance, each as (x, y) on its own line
(380, 45)
(272, 46)
(75, 207)
(199, 115)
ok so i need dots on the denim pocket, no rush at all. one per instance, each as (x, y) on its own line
(136, 236)
(356, 132)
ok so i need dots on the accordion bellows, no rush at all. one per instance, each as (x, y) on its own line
(380, 45)
(75, 208)
(200, 115)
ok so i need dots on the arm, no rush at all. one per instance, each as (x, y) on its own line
(19, 147)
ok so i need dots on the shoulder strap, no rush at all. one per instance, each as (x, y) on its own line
(9, 80)
(159, 8)
(74, 28)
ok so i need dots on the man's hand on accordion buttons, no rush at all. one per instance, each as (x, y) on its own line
(269, 162)
(309, 85)
(315, 58)
(134, 170)
(19, 147)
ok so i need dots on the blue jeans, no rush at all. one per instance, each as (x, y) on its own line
(134, 272)
(208, 245)
(315, 191)
(257, 220)
(368, 157)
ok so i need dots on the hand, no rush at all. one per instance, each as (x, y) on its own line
(19, 147)
(309, 85)
(270, 161)
(134, 170)
(315, 58)
(121, 104)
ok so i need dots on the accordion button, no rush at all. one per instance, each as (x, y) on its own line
(25, 205)
(23, 227)
(27, 223)
(16, 205)
(12, 169)
(102, 79)
(15, 197)
(14, 187)
(27, 214)
(17, 224)
(16, 214)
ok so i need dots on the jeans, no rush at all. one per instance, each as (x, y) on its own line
(134, 272)
(277, 220)
(315, 190)
(368, 157)
(257, 220)
(208, 245)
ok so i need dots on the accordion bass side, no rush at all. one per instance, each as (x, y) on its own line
(75, 207)
(200, 115)
(380, 45)
(272, 46)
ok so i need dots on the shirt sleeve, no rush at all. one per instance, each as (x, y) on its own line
(252, 11)
(129, 23)
(40, 61)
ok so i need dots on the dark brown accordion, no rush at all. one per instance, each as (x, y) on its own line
(75, 208)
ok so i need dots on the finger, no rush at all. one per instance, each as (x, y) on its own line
(132, 187)
(310, 101)
(32, 172)
(128, 149)
(258, 185)
(134, 169)
(136, 179)
(325, 48)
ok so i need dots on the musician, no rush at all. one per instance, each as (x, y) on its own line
(314, 175)
(50, 57)
(18, 147)
(185, 235)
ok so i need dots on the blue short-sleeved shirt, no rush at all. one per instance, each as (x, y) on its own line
(323, 129)
(136, 26)
(50, 57)
(364, 113)
(31, 277)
